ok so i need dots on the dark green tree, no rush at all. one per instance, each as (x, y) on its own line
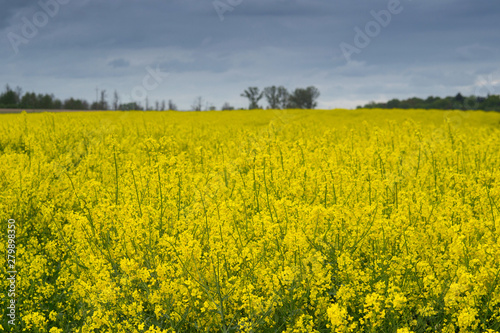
(304, 98)
(283, 97)
(277, 97)
(491, 103)
(271, 94)
(9, 98)
(75, 104)
(45, 101)
(129, 106)
(394, 103)
(29, 101)
(254, 95)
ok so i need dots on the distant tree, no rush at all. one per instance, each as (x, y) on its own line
(57, 104)
(283, 97)
(75, 104)
(459, 99)
(10, 98)
(254, 96)
(197, 104)
(19, 93)
(442, 104)
(393, 103)
(130, 106)
(271, 94)
(209, 107)
(277, 97)
(471, 103)
(95, 106)
(372, 105)
(162, 105)
(227, 106)
(417, 103)
(29, 101)
(172, 106)
(304, 98)
(103, 104)
(45, 101)
(116, 100)
(491, 103)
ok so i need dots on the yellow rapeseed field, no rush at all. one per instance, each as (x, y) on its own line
(252, 221)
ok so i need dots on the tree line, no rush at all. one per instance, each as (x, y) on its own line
(458, 102)
(276, 97)
(280, 98)
(15, 99)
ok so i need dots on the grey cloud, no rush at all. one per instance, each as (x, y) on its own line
(119, 63)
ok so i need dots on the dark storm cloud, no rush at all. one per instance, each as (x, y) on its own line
(119, 63)
(10, 8)
(428, 47)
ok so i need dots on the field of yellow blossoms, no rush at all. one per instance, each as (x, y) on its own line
(252, 221)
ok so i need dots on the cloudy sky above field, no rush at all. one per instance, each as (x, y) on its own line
(351, 50)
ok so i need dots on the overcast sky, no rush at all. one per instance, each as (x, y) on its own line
(354, 51)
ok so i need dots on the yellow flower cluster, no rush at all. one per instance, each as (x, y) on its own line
(258, 221)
